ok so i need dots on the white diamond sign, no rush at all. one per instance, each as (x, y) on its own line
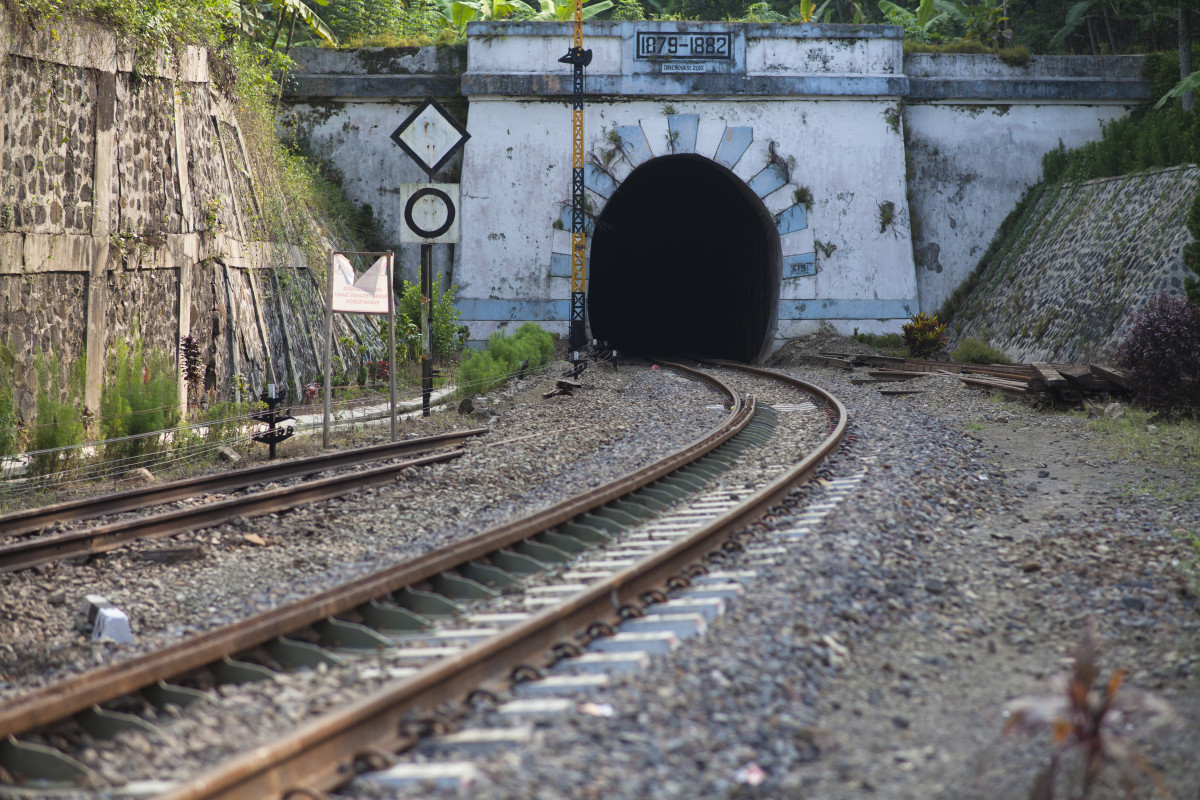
(430, 135)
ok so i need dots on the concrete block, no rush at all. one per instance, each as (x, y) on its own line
(537, 707)
(501, 619)
(708, 607)
(726, 591)
(562, 684)
(422, 653)
(585, 575)
(12, 253)
(605, 663)
(658, 135)
(613, 564)
(682, 625)
(654, 643)
(556, 590)
(111, 623)
(734, 143)
(726, 576)
(683, 129)
(449, 775)
(475, 742)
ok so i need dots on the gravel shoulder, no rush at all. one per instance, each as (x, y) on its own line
(535, 453)
(876, 657)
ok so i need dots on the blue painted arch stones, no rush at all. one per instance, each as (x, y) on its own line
(623, 148)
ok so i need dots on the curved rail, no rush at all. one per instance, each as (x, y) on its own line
(34, 519)
(322, 753)
(27, 553)
(55, 702)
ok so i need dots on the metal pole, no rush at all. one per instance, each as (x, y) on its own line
(392, 339)
(426, 328)
(328, 351)
(578, 58)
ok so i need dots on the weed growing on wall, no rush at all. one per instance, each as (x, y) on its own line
(10, 431)
(141, 396)
(974, 351)
(1191, 253)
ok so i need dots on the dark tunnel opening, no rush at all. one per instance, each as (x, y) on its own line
(685, 260)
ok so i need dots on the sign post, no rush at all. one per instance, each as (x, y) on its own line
(370, 294)
(430, 136)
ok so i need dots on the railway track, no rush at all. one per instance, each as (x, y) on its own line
(22, 551)
(512, 600)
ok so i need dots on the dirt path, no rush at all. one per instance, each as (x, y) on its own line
(1079, 536)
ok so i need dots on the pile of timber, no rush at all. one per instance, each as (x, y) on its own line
(1041, 381)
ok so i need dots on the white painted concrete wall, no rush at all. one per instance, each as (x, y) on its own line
(517, 168)
(978, 144)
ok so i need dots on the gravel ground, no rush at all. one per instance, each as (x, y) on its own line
(537, 452)
(876, 658)
(244, 716)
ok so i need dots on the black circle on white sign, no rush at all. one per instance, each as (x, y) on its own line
(429, 191)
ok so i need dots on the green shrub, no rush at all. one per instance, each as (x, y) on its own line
(448, 335)
(10, 431)
(141, 396)
(924, 335)
(887, 343)
(226, 421)
(1146, 139)
(506, 356)
(59, 423)
(973, 351)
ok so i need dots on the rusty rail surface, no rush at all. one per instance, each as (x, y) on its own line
(60, 700)
(34, 519)
(322, 754)
(27, 553)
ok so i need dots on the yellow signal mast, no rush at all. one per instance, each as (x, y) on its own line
(578, 58)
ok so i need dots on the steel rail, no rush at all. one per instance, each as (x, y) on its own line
(26, 553)
(57, 701)
(323, 753)
(34, 519)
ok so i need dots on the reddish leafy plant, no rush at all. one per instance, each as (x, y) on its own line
(1161, 351)
(1085, 716)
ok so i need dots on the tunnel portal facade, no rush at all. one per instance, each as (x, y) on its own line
(872, 182)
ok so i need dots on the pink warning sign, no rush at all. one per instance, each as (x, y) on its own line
(367, 295)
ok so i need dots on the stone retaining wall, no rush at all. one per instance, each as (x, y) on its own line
(128, 212)
(1081, 261)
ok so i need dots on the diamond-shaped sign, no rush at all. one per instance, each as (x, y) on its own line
(430, 135)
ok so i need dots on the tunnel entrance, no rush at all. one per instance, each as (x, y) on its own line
(685, 260)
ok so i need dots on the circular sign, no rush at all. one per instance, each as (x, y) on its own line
(427, 226)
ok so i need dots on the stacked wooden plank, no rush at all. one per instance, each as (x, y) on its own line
(1041, 381)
